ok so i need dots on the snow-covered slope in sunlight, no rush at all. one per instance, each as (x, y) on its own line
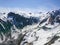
(40, 36)
(46, 33)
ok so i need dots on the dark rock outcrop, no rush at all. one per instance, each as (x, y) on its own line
(21, 21)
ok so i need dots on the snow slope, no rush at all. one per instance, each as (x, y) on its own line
(45, 32)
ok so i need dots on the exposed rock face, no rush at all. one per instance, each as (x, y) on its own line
(57, 19)
(21, 21)
(50, 20)
(5, 26)
(55, 16)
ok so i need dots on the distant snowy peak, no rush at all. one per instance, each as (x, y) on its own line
(55, 15)
(51, 17)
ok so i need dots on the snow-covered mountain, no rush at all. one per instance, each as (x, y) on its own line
(28, 28)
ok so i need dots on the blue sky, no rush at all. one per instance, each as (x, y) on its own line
(33, 4)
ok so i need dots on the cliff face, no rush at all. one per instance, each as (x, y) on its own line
(21, 21)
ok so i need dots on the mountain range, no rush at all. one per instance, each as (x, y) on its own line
(27, 28)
